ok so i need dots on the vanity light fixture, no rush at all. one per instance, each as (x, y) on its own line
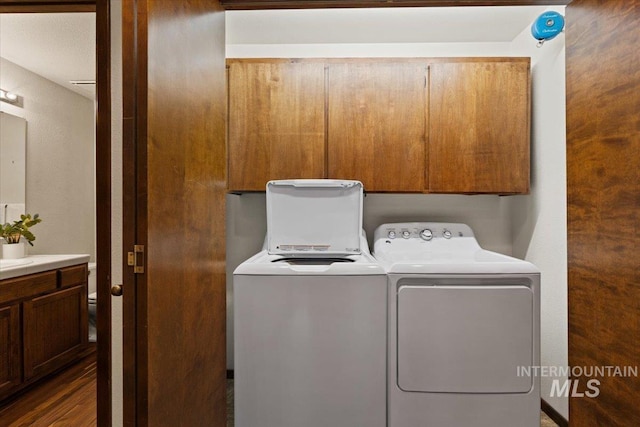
(9, 97)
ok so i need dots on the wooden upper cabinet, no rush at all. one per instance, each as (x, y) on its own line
(377, 124)
(434, 125)
(276, 122)
(479, 126)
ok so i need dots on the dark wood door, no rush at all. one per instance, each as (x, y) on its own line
(479, 126)
(174, 207)
(276, 122)
(603, 206)
(10, 345)
(377, 124)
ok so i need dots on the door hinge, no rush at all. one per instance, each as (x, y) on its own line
(135, 259)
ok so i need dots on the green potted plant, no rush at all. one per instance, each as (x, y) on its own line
(12, 234)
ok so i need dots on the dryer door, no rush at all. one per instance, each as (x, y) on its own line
(464, 339)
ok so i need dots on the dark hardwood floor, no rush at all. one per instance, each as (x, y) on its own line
(67, 398)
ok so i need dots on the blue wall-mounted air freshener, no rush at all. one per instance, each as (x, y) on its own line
(547, 26)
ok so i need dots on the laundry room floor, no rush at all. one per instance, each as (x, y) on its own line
(545, 421)
(229, 403)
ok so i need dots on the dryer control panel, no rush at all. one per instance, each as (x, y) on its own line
(425, 231)
(407, 239)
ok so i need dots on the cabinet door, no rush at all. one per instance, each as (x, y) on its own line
(276, 122)
(55, 330)
(9, 348)
(479, 127)
(377, 124)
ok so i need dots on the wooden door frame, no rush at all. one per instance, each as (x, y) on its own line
(103, 165)
(103, 176)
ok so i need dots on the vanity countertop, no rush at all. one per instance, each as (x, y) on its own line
(10, 268)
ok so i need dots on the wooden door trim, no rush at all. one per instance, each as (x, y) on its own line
(315, 4)
(103, 176)
(134, 156)
(40, 6)
(134, 114)
(103, 209)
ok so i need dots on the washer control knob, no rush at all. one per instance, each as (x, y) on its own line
(426, 234)
(391, 234)
(406, 234)
(446, 234)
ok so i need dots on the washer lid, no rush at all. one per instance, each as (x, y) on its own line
(314, 217)
(265, 264)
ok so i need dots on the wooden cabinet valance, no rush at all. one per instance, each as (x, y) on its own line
(432, 125)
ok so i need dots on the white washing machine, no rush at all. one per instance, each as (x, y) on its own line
(463, 322)
(310, 314)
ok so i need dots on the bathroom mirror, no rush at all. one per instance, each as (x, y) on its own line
(13, 137)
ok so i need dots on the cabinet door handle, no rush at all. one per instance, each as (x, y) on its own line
(116, 290)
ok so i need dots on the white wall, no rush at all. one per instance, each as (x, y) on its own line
(116, 212)
(60, 167)
(539, 220)
(367, 50)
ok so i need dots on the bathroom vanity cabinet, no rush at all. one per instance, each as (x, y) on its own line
(43, 324)
(9, 348)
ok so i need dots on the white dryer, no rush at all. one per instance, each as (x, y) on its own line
(463, 322)
(310, 314)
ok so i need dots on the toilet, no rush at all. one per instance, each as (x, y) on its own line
(92, 300)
